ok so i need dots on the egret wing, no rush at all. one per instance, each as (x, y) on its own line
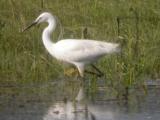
(84, 50)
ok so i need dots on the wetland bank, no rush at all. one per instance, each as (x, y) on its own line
(30, 78)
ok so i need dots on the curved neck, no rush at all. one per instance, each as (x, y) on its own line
(46, 36)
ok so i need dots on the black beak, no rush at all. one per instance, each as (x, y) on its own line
(34, 23)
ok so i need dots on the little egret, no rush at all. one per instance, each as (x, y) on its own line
(77, 52)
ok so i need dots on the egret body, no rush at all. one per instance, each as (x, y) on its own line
(78, 52)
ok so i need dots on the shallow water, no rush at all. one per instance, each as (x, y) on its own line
(54, 101)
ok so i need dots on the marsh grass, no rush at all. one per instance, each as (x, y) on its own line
(24, 59)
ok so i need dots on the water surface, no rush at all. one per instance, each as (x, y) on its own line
(61, 101)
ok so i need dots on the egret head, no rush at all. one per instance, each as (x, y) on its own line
(44, 17)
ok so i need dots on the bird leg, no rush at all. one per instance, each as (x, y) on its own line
(98, 72)
(91, 72)
(73, 71)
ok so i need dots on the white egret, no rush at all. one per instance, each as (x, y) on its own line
(77, 52)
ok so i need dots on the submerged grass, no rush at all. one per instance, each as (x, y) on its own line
(24, 59)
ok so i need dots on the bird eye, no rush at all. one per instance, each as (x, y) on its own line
(40, 18)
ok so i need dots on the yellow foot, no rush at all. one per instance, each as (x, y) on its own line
(70, 72)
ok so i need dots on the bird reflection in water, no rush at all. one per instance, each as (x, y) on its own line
(70, 110)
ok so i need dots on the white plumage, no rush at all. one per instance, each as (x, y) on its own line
(77, 52)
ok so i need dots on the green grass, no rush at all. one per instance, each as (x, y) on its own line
(25, 60)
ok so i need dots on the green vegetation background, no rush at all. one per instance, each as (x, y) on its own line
(23, 58)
